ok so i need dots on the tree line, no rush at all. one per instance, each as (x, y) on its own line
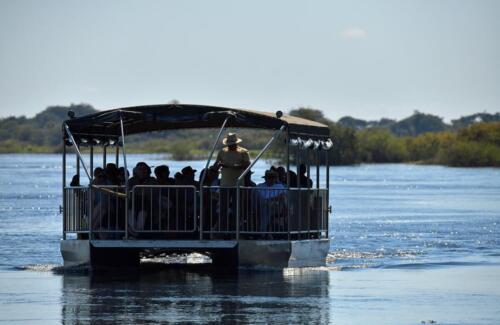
(472, 140)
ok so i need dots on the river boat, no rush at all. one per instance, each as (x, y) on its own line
(100, 222)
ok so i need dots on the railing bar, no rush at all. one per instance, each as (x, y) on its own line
(100, 210)
(228, 193)
(220, 203)
(159, 209)
(72, 210)
(141, 212)
(151, 205)
(211, 210)
(273, 206)
(195, 209)
(109, 209)
(168, 209)
(177, 209)
(185, 208)
(117, 208)
(247, 207)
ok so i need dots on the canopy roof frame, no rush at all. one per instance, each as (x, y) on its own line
(106, 125)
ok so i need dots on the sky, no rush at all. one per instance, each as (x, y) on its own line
(366, 59)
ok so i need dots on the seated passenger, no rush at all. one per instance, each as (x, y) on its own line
(189, 195)
(188, 176)
(162, 174)
(143, 211)
(305, 181)
(121, 176)
(212, 178)
(247, 181)
(98, 171)
(281, 174)
(210, 196)
(269, 195)
(75, 181)
(179, 179)
(293, 178)
(142, 176)
(112, 167)
(99, 177)
(111, 175)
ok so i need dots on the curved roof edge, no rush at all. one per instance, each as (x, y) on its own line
(141, 119)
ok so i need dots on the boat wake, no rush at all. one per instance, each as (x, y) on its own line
(54, 268)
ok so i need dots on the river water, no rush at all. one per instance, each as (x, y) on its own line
(409, 244)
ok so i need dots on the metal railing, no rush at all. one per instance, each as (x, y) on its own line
(288, 213)
(76, 212)
(296, 213)
(163, 209)
(108, 210)
(308, 211)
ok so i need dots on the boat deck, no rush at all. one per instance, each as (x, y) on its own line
(165, 244)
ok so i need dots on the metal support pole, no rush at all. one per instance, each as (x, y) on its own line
(92, 161)
(299, 194)
(104, 155)
(308, 164)
(117, 157)
(63, 190)
(288, 182)
(327, 193)
(318, 162)
(77, 167)
(126, 175)
(242, 176)
(318, 205)
(202, 180)
(79, 154)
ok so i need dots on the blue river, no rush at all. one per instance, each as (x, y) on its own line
(410, 244)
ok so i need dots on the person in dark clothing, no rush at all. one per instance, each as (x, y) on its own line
(142, 176)
(75, 181)
(143, 196)
(213, 174)
(210, 196)
(281, 174)
(162, 174)
(121, 176)
(305, 181)
(293, 179)
(179, 179)
(188, 176)
(247, 181)
(111, 175)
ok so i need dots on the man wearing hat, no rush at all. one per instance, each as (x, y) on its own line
(232, 160)
(188, 176)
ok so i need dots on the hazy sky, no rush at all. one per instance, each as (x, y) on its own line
(367, 59)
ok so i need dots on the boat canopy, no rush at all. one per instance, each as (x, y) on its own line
(106, 125)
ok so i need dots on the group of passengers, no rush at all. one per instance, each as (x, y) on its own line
(177, 207)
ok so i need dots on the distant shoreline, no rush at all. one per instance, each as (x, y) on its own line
(415, 163)
(470, 141)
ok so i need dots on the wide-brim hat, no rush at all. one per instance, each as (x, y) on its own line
(188, 170)
(231, 139)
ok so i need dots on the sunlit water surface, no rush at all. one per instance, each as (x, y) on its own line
(408, 244)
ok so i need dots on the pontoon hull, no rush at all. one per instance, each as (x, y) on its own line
(272, 254)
